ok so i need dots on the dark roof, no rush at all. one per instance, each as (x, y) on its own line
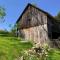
(36, 8)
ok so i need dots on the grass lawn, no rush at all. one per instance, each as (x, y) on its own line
(11, 47)
(54, 54)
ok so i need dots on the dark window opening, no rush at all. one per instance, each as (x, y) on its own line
(55, 35)
(49, 35)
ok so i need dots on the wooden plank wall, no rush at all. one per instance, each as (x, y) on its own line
(37, 30)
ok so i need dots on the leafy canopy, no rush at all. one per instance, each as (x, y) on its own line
(2, 13)
(58, 16)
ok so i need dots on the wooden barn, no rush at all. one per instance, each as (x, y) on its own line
(36, 25)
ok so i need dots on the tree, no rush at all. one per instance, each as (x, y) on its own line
(2, 13)
(58, 17)
(13, 30)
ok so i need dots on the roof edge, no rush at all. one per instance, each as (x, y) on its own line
(23, 12)
(29, 4)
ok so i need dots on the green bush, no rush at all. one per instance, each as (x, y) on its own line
(47, 54)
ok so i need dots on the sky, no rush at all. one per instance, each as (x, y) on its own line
(14, 8)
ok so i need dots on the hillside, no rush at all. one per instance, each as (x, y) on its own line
(11, 47)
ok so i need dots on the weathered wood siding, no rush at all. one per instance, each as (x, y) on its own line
(32, 17)
(33, 24)
(24, 19)
(36, 34)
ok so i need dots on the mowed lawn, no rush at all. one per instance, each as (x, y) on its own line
(11, 47)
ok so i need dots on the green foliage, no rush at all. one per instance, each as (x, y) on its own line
(5, 33)
(47, 54)
(34, 4)
(58, 17)
(2, 13)
(14, 30)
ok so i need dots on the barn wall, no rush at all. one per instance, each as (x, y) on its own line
(23, 21)
(36, 34)
(32, 17)
(38, 17)
(37, 30)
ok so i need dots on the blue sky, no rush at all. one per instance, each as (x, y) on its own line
(14, 8)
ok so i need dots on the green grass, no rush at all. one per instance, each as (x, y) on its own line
(54, 54)
(11, 47)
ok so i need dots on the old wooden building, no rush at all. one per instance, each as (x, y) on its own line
(36, 25)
